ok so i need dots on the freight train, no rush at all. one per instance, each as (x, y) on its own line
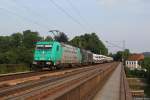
(54, 54)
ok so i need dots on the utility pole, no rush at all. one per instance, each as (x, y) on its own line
(123, 47)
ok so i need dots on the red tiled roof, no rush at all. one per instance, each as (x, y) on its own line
(136, 57)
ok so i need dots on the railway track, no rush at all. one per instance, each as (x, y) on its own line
(18, 78)
(19, 75)
(14, 76)
(29, 89)
(14, 79)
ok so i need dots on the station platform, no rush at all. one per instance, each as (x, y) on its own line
(111, 89)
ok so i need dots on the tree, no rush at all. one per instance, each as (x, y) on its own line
(61, 37)
(146, 65)
(3, 58)
(5, 43)
(90, 42)
(110, 55)
(18, 47)
(16, 39)
(126, 54)
(12, 57)
(121, 54)
(48, 38)
(118, 56)
(30, 38)
(26, 55)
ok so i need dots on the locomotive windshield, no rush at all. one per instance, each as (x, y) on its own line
(43, 47)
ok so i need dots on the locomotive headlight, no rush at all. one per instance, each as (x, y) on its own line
(48, 63)
(34, 62)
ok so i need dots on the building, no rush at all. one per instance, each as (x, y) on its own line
(134, 61)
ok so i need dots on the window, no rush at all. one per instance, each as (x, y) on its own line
(43, 47)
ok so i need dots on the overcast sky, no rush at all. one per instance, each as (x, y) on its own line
(112, 20)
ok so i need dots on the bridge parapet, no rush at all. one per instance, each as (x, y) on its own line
(125, 92)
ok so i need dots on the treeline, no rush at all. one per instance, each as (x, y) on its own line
(18, 48)
(121, 54)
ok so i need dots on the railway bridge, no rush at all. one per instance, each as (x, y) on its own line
(98, 82)
(116, 87)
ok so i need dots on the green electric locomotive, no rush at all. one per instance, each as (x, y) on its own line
(54, 54)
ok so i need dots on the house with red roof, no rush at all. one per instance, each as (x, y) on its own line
(134, 61)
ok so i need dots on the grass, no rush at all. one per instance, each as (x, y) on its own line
(13, 68)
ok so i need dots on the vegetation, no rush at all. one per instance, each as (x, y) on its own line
(135, 73)
(146, 65)
(12, 68)
(18, 48)
(61, 37)
(121, 54)
(90, 42)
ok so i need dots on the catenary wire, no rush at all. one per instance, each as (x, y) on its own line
(67, 14)
(76, 10)
(22, 17)
(31, 12)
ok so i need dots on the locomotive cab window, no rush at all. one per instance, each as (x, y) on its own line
(47, 47)
(43, 47)
(39, 47)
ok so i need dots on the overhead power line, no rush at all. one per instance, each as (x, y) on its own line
(22, 17)
(31, 11)
(79, 14)
(82, 18)
(75, 10)
(114, 45)
(67, 14)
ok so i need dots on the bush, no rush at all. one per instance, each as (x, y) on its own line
(135, 73)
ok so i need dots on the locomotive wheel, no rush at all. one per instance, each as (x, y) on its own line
(35, 68)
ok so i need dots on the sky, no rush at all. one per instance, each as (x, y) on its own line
(113, 20)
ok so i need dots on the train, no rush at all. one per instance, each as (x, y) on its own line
(49, 54)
